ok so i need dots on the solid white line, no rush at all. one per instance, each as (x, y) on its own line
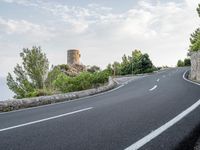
(189, 80)
(153, 88)
(46, 119)
(160, 130)
(163, 128)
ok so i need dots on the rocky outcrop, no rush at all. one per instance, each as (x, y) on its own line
(75, 69)
(15, 104)
(195, 66)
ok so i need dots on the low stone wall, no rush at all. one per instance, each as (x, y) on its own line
(15, 104)
(195, 66)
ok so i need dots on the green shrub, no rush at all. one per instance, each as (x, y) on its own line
(100, 78)
(83, 81)
(62, 82)
(40, 92)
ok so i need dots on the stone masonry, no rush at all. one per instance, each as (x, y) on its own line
(195, 66)
(15, 104)
(73, 57)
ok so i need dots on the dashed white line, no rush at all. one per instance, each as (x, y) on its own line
(166, 126)
(46, 119)
(158, 80)
(153, 88)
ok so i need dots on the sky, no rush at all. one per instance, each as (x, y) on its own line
(103, 30)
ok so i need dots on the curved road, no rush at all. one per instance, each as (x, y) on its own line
(115, 120)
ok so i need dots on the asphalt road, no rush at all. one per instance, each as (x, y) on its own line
(111, 121)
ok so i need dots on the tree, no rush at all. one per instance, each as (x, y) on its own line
(187, 62)
(20, 86)
(198, 10)
(113, 69)
(195, 41)
(145, 64)
(52, 76)
(136, 61)
(116, 68)
(109, 69)
(180, 63)
(93, 69)
(136, 55)
(195, 37)
(31, 75)
(125, 65)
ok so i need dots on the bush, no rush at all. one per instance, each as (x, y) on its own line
(52, 75)
(99, 78)
(150, 70)
(180, 63)
(187, 62)
(62, 82)
(184, 63)
(40, 92)
(83, 81)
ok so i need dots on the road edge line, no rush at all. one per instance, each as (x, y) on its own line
(140, 143)
(188, 79)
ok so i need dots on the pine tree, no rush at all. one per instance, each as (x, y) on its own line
(31, 74)
(195, 37)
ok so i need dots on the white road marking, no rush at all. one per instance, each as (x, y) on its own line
(153, 88)
(163, 128)
(163, 76)
(46, 119)
(166, 126)
(158, 80)
(189, 80)
(69, 101)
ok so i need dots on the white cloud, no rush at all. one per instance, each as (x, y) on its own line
(25, 28)
(23, 2)
(161, 29)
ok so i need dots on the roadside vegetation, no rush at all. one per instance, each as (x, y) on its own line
(34, 78)
(184, 63)
(194, 45)
(195, 37)
(136, 63)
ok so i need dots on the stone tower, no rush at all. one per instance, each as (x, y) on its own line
(73, 56)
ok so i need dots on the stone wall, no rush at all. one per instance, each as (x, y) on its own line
(195, 66)
(15, 104)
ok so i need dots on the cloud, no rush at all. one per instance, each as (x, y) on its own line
(76, 18)
(161, 29)
(23, 2)
(25, 28)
